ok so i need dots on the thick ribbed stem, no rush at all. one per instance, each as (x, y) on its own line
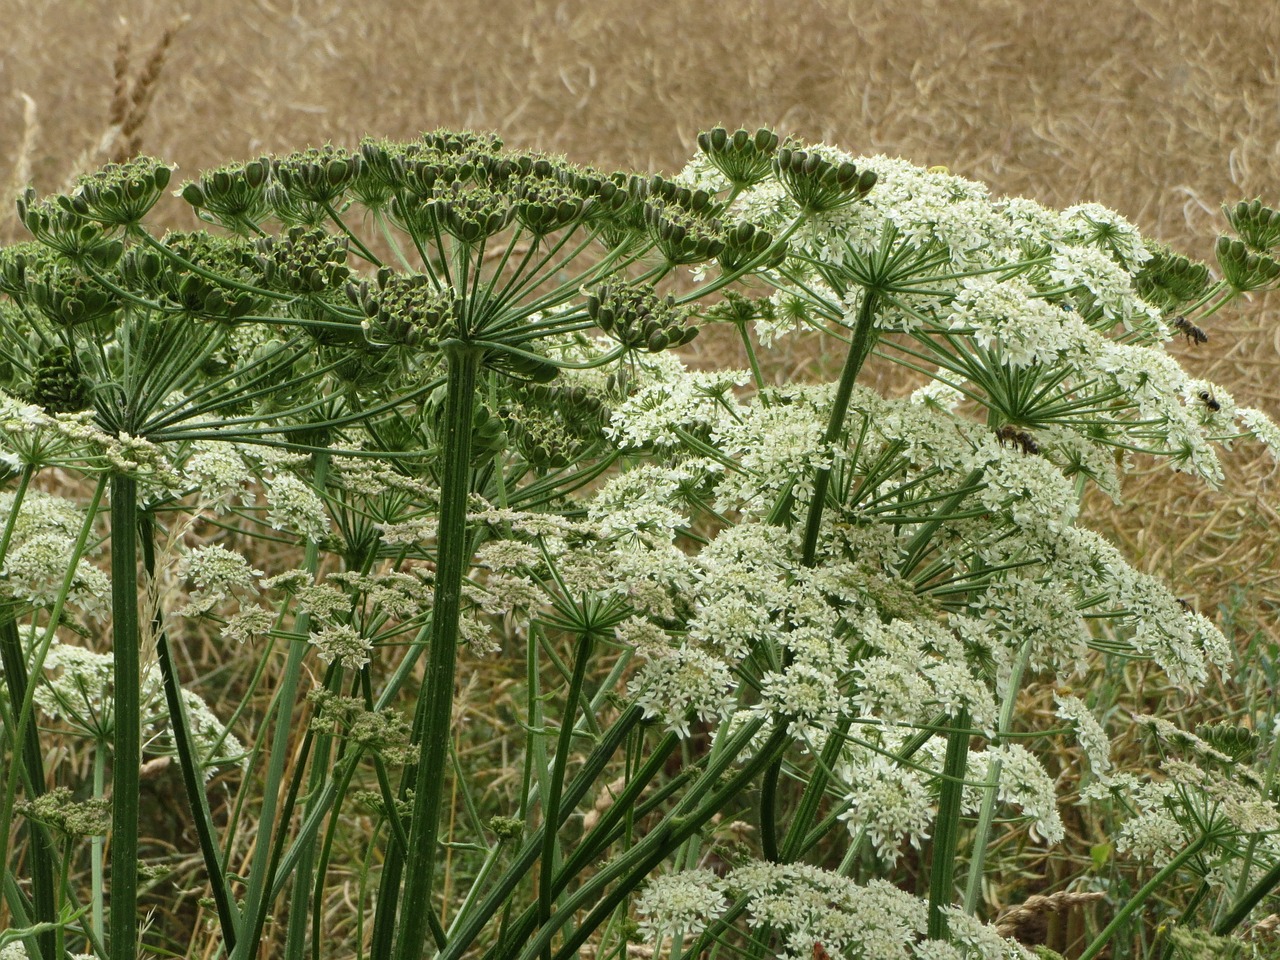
(437, 688)
(127, 746)
(946, 833)
(42, 852)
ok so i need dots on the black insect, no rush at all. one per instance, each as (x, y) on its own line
(1189, 330)
(1209, 401)
(1020, 439)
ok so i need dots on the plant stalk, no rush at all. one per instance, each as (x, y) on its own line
(127, 745)
(420, 859)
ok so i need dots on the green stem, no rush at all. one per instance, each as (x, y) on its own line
(127, 735)
(23, 710)
(860, 346)
(1139, 898)
(634, 866)
(189, 764)
(986, 816)
(96, 849)
(304, 877)
(257, 896)
(793, 844)
(550, 833)
(947, 831)
(1246, 903)
(756, 373)
(464, 931)
(42, 851)
(437, 687)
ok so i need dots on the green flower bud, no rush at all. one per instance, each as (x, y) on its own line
(304, 262)
(817, 185)
(405, 309)
(316, 175)
(168, 281)
(1258, 226)
(1169, 280)
(743, 157)
(1242, 269)
(71, 234)
(745, 245)
(120, 194)
(234, 196)
(57, 383)
(70, 299)
(637, 317)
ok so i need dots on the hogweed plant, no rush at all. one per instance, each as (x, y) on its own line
(417, 401)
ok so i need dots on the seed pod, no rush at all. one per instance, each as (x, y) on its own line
(1257, 225)
(1242, 269)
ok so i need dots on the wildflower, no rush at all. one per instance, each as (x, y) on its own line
(683, 902)
(343, 643)
(296, 506)
(216, 573)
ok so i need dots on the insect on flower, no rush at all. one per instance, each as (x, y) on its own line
(820, 952)
(1189, 330)
(1209, 401)
(1019, 438)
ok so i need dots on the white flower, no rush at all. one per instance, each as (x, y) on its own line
(673, 684)
(216, 573)
(890, 802)
(684, 902)
(343, 643)
(1024, 783)
(248, 623)
(1089, 733)
(981, 939)
(809, 905)
(218, 470)
(296, 507)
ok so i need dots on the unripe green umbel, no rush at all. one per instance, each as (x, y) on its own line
(234, 196)
(1242, 269)
(1257, 225)
(120, 194)
(76, 237)
(743, 157)
(818, 185)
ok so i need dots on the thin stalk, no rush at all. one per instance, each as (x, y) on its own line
(1245, 904)
(256, 899)
(947, 832)
(437, 688)
(98, 915)
(467, 926)
(188, 763)
(304, 874)
(127, 745)
(1139, 898)
(25, 708)
(550, 834)
(793, 844)
(986, 816)
(919, 544)
(42, 851)
(859, 349)
(631, 868)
